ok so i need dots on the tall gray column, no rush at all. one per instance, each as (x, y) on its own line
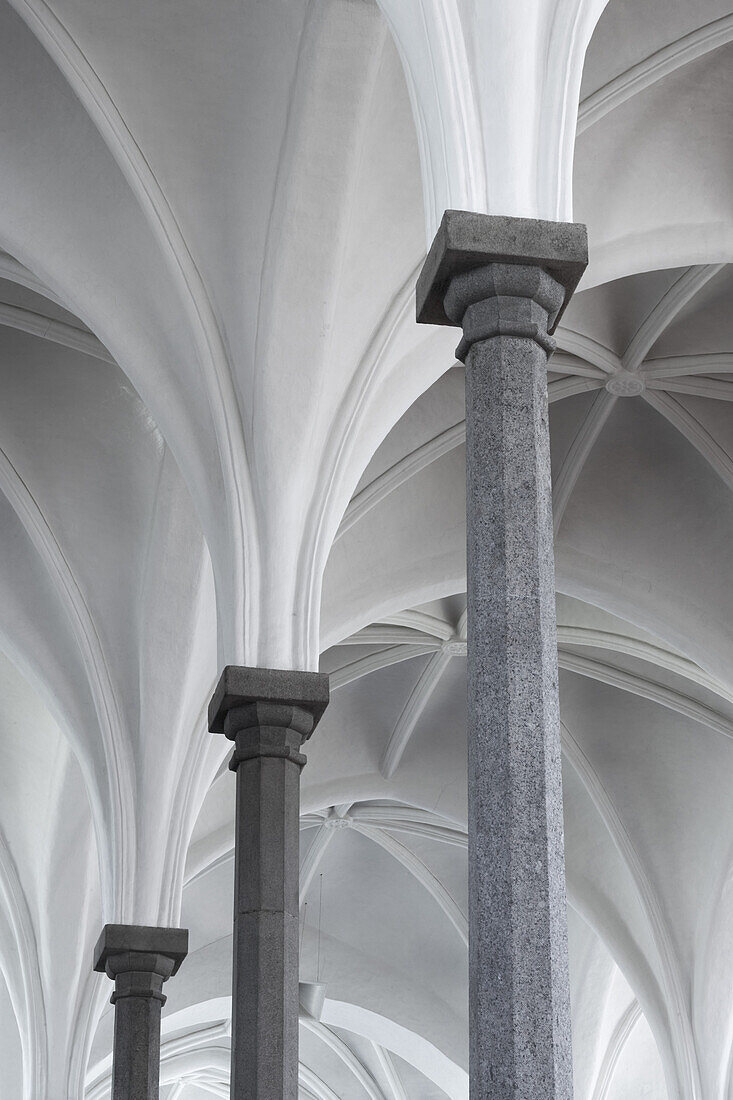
(139, 959)
(505, 281)
(268, 713)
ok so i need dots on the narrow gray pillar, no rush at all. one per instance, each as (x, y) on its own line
(268, 713)
(139, 959)
(505, 281)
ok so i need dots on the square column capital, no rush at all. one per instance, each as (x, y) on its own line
(466, 240)
(140, 939)
(240, 686)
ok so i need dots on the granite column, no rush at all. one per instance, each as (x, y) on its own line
(506, 281)
(268, 714)
(139, 959)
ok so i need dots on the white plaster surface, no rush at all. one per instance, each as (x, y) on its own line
(211, 224)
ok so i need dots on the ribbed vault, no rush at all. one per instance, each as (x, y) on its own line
(223, 438)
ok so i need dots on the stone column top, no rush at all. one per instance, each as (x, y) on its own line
(466, 240)
(240, 686)
(136, 940)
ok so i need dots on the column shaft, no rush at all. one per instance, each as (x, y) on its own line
(136, 1069)
(266, 970)
(519, 993)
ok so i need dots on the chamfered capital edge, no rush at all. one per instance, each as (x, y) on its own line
(120, 939)
(239, 685)
(466, 240)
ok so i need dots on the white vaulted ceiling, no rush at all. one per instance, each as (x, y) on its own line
(223, 438)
